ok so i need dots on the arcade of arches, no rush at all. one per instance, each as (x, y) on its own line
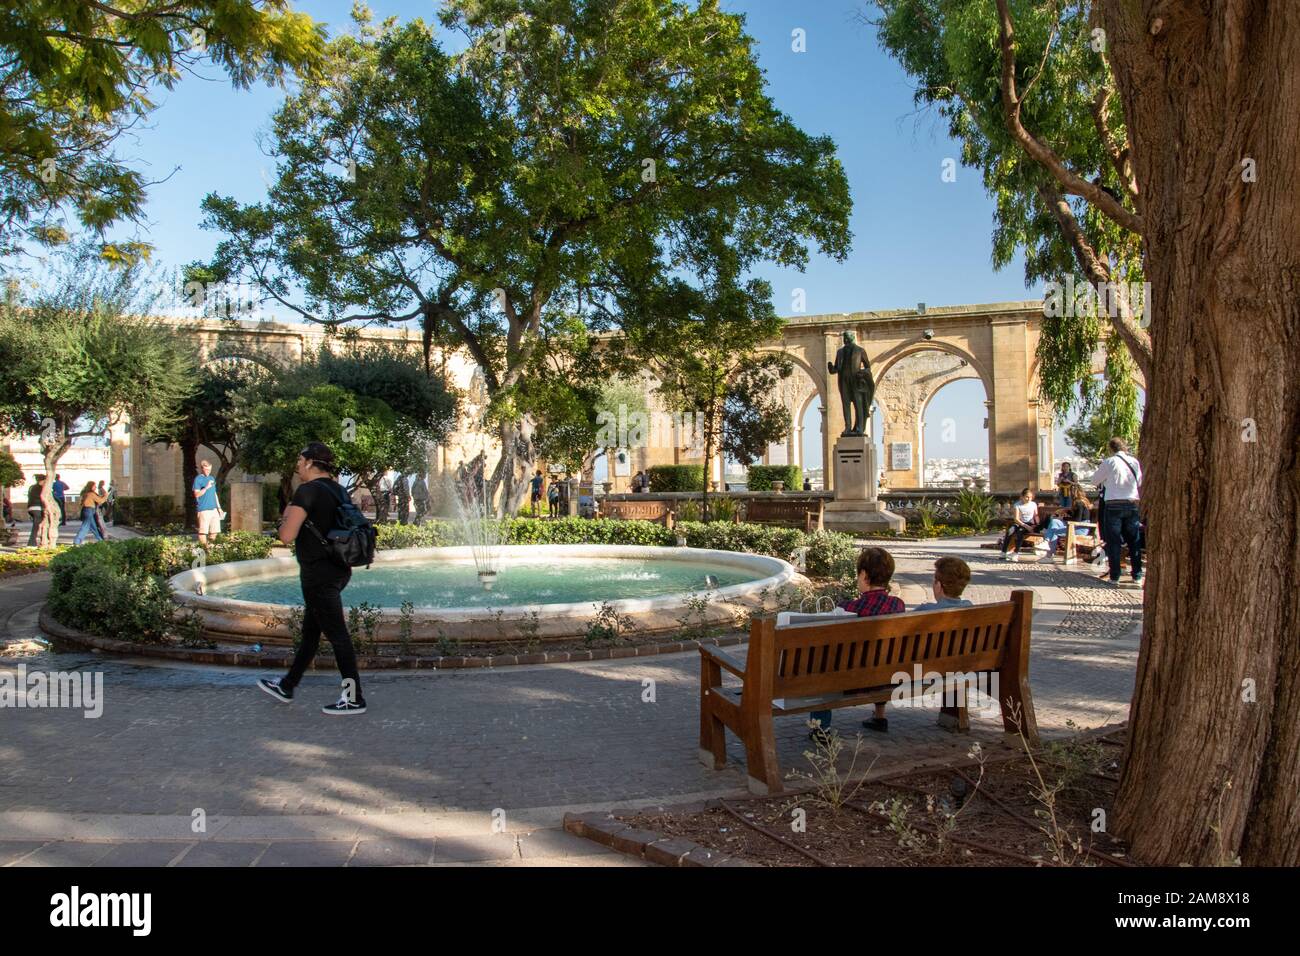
(913, 354)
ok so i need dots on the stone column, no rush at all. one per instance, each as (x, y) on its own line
(246, 506)
(1013, 422)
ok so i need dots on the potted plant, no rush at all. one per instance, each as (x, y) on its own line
(778, 486)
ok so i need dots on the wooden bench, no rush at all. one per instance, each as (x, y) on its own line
(1080, 534)
(796, 513)
(823, 666)
(657, 511)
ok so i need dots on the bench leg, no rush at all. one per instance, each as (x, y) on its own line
(955, 719)
(1017, 700)
(713, 735)
(760, 756)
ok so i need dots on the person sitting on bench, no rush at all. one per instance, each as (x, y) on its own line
(1024, 522)
(951, 575)
(875, 570)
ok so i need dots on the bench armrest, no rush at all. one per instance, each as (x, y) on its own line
(724, 660)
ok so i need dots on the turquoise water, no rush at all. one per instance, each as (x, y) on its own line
(438, 584)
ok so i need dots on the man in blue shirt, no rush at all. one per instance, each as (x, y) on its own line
(951, 575)
(60, 489)
(209, 508)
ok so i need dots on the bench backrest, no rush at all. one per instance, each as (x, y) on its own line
(803, 660)
(634, 510)
(794, 512)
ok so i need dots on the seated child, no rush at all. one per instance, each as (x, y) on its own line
(875, 569)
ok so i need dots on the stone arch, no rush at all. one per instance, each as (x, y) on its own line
(905, 387)
(887, 360)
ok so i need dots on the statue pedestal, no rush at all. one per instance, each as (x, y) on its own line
(857, 508)
(246, 506)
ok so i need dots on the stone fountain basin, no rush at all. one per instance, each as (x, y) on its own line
(234, 621)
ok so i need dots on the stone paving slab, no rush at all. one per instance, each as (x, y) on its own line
(439, 752)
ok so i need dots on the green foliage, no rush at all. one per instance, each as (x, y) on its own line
(144, 511)
(761, 477)
(363, 625)
(976, 509)
(283, 427)
(119, 589)
(831, 554)
(11, 473)
(1114, 415)
(667, 478)
(950, 49)
(80, 74)
(608, 626)
(927, 513)
(25, 562)
(110, 603)
(78, 355)
(531, 203)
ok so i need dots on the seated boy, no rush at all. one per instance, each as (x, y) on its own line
(951, 575)
(875, 569)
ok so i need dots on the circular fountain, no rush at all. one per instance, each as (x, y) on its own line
(553, 591)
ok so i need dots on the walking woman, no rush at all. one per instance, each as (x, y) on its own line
(309, 517)
(90, 502)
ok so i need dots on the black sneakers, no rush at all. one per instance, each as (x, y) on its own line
(273, 688)
(342, 708)
(880, 724)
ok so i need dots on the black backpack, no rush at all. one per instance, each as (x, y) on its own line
(350, 543)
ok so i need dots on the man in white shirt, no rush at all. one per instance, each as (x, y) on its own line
(1120, 479)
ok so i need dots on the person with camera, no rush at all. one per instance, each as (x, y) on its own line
(306, 522)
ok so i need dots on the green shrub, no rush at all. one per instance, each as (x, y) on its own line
(147, 511)
(761, 477)
(270, 502)
(831, 554)
(431, 534)
(118, 589)
(585, 531)
(665, 478)
(104, 600)
(721, 508)
(976, 509)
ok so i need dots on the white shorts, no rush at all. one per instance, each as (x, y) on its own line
(210, 521)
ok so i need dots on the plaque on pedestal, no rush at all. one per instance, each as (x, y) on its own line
(857, 508)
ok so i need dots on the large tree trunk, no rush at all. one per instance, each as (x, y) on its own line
(48, 536)
(518, 458)
(1213, 764)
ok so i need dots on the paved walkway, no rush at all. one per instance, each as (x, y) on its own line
(445, 760)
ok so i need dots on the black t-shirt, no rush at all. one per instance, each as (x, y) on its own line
(320, 499)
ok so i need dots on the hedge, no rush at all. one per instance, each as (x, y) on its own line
(144, 510)
(119, 590)
(760, 477)
(676, 478)
(830, 553)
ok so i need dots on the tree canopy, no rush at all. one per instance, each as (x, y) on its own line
(1055, 160)
(501, 195)
(77, 74)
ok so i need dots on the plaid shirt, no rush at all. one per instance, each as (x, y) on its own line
(871, 603)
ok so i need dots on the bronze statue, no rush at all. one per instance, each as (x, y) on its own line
(857, 387)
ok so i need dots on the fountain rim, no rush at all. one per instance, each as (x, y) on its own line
(775, 573)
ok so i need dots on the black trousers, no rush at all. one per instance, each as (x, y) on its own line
(322, 597)
(1123, 528)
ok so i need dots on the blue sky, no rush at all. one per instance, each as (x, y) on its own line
(916, 238)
